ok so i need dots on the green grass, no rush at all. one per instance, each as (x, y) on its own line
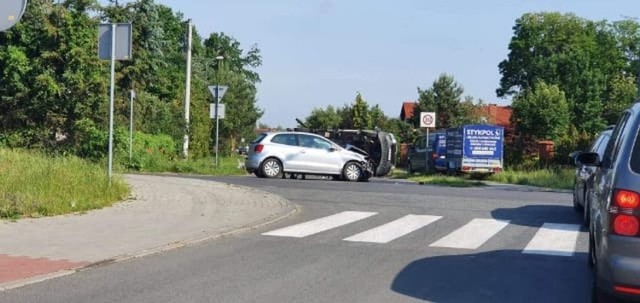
(35, 185)
(436, 179)
(227, 165)
(549, 178)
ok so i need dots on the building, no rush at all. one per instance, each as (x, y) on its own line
(407, 110)
(490, 113)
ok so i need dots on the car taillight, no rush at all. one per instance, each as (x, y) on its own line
(624, 220)
(434, 156)
(629, 290)
(626, 199)
(258, 148)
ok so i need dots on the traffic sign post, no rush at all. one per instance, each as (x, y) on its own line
(114, 43)
(218, 92)
(427, 120)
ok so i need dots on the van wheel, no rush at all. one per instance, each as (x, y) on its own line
(352, 171)
(271, 168)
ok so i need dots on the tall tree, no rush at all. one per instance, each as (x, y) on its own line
(236, 70)
(51, 76)
(327, 118)
(377, 118)
(541, 112)
(623, 91)
(576, 54)
(443, 97)
(360, 113)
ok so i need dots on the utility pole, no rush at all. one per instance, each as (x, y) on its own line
(187, 94)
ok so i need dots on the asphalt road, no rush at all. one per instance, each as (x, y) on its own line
(481, 244)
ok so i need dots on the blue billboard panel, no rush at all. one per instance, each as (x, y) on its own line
(483, 141)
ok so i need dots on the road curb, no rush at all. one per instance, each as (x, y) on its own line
(292, 209)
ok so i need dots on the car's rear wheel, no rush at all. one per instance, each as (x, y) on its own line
(271, 168)
(352, 171)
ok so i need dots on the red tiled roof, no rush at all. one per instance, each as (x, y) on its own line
(498, 115)
(407, 110)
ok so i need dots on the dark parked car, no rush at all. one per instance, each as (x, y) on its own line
(583, 181)
(614, 229)
(428, 155)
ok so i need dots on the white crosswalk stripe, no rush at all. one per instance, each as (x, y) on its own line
(551, 238)
(319, 225)
(554, 239)
(472, 235)
(393, 230)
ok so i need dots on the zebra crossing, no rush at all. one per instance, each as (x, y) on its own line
(554, 239)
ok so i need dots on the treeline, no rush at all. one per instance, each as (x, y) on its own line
(568, 77)
(445, 96)
(54, 91)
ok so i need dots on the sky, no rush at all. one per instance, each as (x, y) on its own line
(323, 52)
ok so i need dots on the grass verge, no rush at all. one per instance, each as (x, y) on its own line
(227, 166)
(561, 178)
(436, 179)
(35, 185)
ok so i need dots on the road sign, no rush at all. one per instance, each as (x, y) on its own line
(122, 41)
(221, 90)
(10, 13)
(427, 119)
(212, 110)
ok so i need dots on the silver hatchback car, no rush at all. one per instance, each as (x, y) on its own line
(614, 211)
(273, 154)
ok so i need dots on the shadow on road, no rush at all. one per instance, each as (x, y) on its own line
(497, 276)
(536, 215)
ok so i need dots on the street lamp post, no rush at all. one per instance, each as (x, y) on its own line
(219, 58)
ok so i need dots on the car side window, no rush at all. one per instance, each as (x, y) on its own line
(286, 139)
(420, 143)
(602, 145)
(314, 142)
(611, 152)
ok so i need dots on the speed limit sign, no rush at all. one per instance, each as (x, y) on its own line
(427, 119)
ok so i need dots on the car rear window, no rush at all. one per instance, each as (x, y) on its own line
(259, 138)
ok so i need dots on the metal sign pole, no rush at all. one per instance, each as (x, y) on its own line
(111, 97)
(131, 126)
(426, 161)
(217, 122)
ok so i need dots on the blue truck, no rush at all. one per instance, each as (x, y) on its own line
(476, 148)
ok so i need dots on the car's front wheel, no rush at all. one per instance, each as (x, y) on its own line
(271, 168)
(352, 171)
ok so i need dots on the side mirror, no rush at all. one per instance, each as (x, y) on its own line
(574, 156)
(589, 159)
